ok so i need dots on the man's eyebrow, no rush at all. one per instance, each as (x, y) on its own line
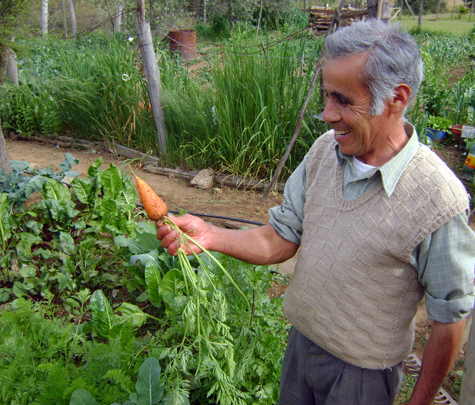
(341, 97)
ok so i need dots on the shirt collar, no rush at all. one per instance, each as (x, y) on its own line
(392, 170)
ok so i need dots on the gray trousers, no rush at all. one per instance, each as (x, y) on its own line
(312, 376)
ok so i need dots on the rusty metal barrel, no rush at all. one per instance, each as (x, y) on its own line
(183, 42)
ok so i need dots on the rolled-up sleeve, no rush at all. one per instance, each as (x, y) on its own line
(445, 261)
(287, 218)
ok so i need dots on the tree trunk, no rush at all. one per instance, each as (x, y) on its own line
(467, 393)
(65, 22)
(152, 74)
(44, 17)
(4, 161)
(453, 8)
(421, 9)
(73, 19)
(204, 11)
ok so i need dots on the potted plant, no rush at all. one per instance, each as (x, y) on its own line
(437, 128)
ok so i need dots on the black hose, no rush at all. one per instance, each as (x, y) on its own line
(220, 217)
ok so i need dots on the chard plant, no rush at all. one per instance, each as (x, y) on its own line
(90, 295)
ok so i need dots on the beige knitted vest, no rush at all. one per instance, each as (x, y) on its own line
(353, 291)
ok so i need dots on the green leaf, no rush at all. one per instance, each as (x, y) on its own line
(103, 318)
(172, 286)
(45, 254)
(82, 397)
(82, 189)
(132, 313)
(67, 163)
(150, 257)
(67, 243)
(23, 247)
(149, 391)
(53, 190)
(27, 271)
(142, 243)
(152, 280)
(146, 227)
(111, 182)
(93, 170)
(19, 289)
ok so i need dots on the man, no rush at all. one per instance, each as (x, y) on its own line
(378, 220)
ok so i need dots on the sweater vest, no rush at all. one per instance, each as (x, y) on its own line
(354, 292)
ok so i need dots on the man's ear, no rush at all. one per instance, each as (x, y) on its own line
(399, 102)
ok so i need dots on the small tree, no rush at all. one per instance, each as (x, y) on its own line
(461, 10)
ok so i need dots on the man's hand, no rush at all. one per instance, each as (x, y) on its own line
(193, 226)
(439, 356)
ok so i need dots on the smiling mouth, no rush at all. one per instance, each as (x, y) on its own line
(341, 133)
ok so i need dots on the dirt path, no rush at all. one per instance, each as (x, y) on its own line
(176, 192)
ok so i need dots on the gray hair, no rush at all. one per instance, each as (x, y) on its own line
(393, 58)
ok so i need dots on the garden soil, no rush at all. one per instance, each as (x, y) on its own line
(179, 195)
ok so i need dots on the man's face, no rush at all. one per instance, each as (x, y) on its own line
(347, 106)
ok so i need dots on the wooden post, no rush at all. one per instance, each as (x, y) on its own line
(152, 73)
(260, 17)
(380, 9)
(4, 161)
(438, 10)
(318, 69)
(467, 394)
(12, 66)
(65, 23)
(44, 17)
(421, 9)
(73, 20)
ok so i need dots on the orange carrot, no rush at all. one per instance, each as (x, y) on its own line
(154, 206)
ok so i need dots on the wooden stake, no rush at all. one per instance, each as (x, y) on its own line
(281, 164)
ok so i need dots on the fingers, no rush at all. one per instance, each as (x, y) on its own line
(170, 238)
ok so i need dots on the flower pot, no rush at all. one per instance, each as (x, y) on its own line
(457, 131)
(436, 135)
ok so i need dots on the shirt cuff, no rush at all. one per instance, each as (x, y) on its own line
(444, 311)
(286, 224)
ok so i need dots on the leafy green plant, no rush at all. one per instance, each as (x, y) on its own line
(204, 338)
(148, 389)
(58, 244)
(23, 180)
(439, 123)
(44, 358)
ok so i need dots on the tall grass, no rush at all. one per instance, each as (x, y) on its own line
(258, 92)
(238, 119)
(237, 116)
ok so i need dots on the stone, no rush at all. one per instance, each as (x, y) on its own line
(204, 179)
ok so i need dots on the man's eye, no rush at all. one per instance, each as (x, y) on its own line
(342, 100)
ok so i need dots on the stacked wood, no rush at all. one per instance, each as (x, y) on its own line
(321, 17)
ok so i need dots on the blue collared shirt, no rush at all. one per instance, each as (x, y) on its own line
(444, 261)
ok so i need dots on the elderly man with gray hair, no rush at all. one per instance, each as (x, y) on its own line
(379, 222)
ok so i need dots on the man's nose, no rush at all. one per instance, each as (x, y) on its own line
(330, 113)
